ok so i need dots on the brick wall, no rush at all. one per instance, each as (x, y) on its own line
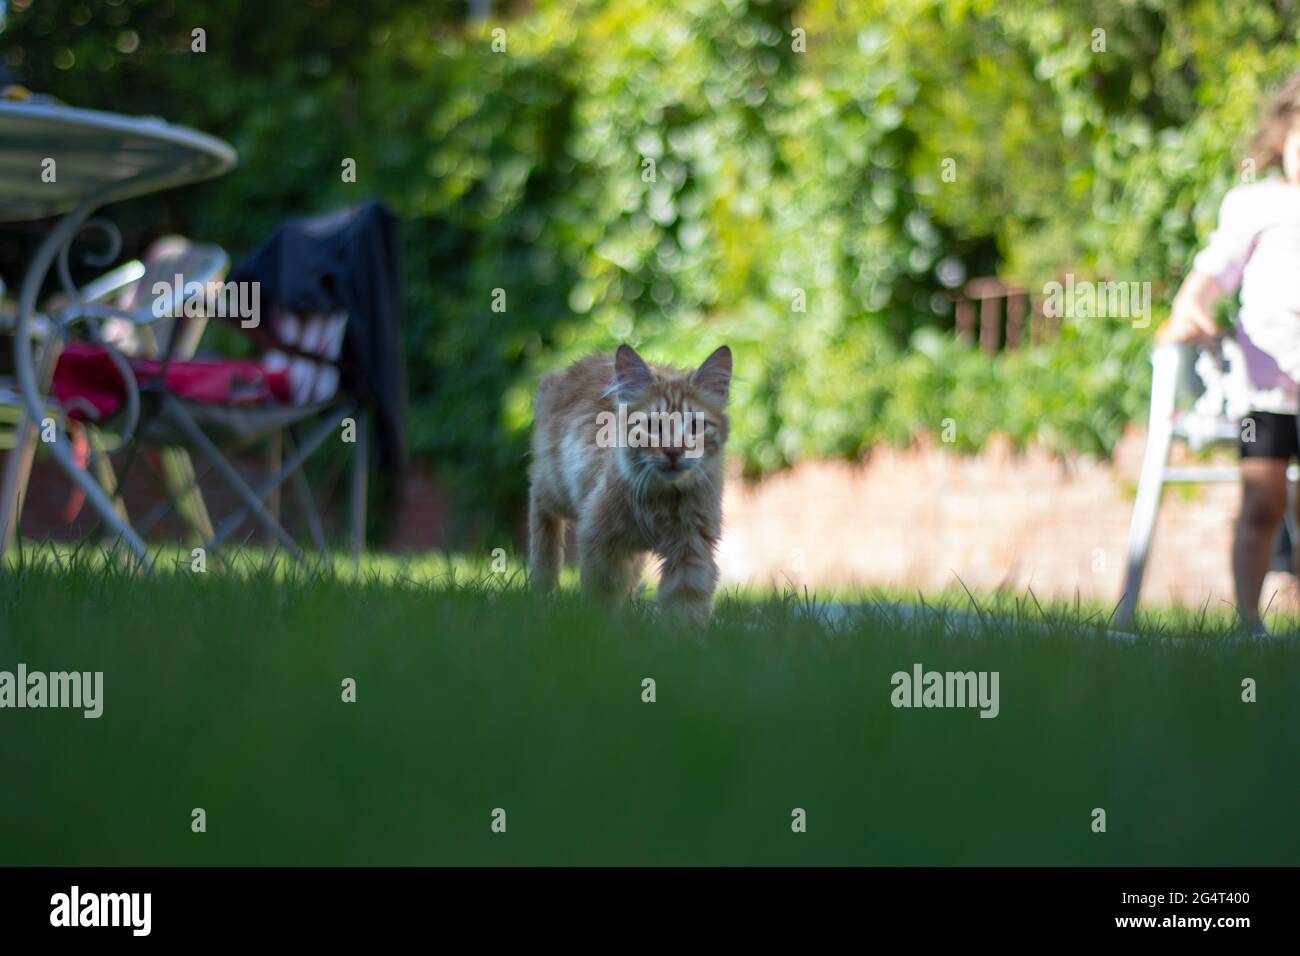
(923, 517)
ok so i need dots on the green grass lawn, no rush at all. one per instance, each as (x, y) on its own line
(223, 691)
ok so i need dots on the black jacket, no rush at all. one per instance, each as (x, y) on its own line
(348, 259)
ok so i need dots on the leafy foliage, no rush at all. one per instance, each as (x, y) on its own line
(681, 174)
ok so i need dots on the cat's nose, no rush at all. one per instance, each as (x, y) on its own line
(672, 454)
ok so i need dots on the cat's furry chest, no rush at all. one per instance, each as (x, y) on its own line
(662, 524)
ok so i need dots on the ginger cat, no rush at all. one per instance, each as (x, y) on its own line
(644, 477)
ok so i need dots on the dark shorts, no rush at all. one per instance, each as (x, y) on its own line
(1275, 436)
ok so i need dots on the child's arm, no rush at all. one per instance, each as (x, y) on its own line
(1192, 317)
(1217, 269)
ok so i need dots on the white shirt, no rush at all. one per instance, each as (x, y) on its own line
(1256, 248)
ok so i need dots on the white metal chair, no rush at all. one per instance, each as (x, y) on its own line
(120, 304)
(175, 337)
(18, 434)
(302, 355)
(1199, 398)
(328, 332)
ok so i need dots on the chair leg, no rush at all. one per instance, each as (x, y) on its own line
(104, 473)
(307, 504)
(18, 465)
(360, 474)
(18, 470)
(274, 462)
(1142, 528)
(253, 499)
(183, 486)
(1164, 382)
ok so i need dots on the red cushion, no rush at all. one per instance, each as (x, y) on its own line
(85, 374)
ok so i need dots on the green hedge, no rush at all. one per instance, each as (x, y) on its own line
(776, 173)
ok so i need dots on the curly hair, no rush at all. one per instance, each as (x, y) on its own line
(1279, 117)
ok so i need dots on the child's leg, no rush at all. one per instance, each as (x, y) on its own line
(1263, 504)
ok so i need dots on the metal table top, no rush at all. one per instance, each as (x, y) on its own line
(94, 153)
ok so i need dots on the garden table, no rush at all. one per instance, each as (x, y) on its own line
(57, 160)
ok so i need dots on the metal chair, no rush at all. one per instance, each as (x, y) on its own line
(180, 265)
(1199, 398)
(177, 424)
(218, 431)
(18, 432)
(329, 335)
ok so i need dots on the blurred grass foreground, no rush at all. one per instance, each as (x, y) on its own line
(226, 693)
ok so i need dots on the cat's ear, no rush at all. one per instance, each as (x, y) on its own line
(714, 376)
(631, 374)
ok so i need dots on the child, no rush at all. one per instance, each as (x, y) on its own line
(1256, 249)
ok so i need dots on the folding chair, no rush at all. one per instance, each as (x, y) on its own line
(316, 378)
(188, 405)
(185, 268)
(1199, 398)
